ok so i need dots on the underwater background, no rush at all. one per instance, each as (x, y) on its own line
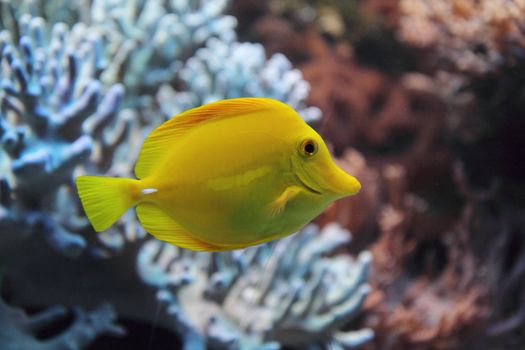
(423, 101)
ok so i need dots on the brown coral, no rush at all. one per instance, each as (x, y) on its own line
(429, 294)
(473, 36)
(449, 258)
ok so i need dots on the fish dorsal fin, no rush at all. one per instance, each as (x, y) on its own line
(164, 228)
(153, 149)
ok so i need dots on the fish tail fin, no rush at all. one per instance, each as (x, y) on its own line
(105, 199)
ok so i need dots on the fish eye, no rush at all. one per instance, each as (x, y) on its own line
(308, 147)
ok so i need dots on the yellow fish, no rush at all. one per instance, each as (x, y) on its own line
(223, 176)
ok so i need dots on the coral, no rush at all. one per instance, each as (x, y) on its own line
(426, 292)
(135, 35)
(468, 290)
(228, 69)
(486, 128)
(391, 133)
(448, 250)
(473, 36)
(347, 20)
(116, 29)
(148, 39)
(443, 255)
(492, 227)
(392, 120)
(19, 330)
(363, 30)
(79, 96)
(39, 331)
(363, 107)
(429, 293)
(289, 293)
(49, 89)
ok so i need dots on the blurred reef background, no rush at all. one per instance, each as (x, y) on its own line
(422, 100)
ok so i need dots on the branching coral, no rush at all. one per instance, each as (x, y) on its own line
(53, 90)
(228, 69)
(75, 100)
(48, 91)
(41, 330)
(148, 39)
(474, 36)
(493, 228)
(290, 292)
(429, 292)
(449, 256)
(20, 331)
(144, 39)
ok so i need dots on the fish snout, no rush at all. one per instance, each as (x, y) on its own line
(340, 183)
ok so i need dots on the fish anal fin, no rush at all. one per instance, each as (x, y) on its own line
(166, 135)
(277, 206)
(163, 227)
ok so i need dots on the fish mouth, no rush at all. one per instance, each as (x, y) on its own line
(314, 191)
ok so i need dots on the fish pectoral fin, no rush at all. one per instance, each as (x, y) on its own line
(163, 227)
(277, 206)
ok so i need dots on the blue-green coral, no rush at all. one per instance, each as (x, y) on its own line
(19, 331)
(81, 85)
(229, 69)
(147, 40)
(49, 88)
(287, 293)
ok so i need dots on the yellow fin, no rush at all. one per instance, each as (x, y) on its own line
(164, 228)
(105, 199)
(167, 133)
(277, 206)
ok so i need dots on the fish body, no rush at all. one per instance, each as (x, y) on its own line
(224, 176)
